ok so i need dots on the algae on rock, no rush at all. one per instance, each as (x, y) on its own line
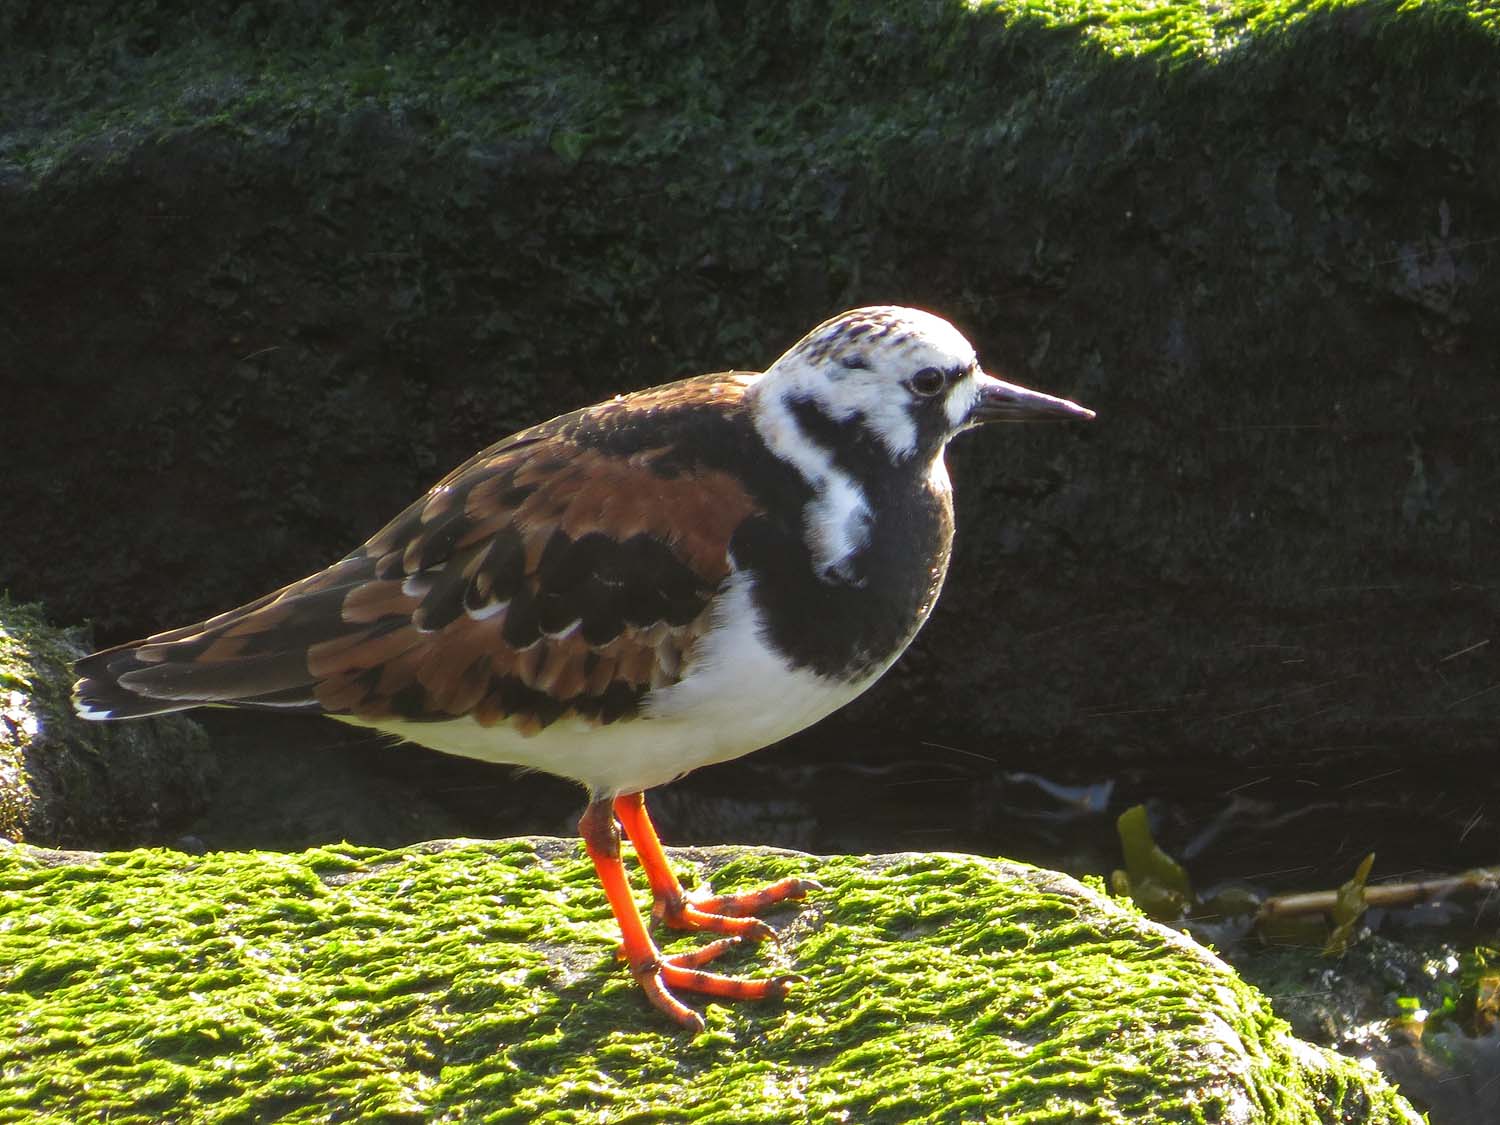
(65, 781)
(463, 981)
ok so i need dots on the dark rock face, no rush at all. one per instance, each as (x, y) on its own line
(65, 781)
(280, 281)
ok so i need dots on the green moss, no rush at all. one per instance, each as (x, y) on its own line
(476, 981)
(595, 84)
(34, 658)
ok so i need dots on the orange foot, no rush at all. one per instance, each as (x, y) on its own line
(659, 975)
(729, 914)
(723, 914)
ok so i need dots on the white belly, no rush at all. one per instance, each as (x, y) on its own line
(738, 696)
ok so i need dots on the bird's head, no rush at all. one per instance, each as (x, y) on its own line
(903, 377)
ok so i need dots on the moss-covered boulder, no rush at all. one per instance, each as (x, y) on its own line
(465, 981)
(64, 781)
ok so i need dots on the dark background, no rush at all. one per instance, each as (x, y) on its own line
(266, 273)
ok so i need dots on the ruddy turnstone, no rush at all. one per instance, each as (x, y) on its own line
(669, 579)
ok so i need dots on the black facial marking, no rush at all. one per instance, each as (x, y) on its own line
(854, 447)
(931, 417)
(862, 623)
(871, 606)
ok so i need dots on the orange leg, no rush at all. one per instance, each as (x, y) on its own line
(723, 914)
(658, 975)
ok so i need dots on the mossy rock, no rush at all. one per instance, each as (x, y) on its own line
(467, 981)
(64, 781)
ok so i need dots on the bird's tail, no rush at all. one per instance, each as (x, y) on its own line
(99, 692)
(237, 659)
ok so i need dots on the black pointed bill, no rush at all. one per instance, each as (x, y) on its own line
(999, 401)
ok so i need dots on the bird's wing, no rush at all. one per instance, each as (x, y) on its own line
(568, 570)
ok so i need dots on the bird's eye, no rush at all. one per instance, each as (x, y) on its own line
(927, 382)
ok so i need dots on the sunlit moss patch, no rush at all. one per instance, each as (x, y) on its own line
(476, 981)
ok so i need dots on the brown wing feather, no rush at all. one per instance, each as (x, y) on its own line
(545, 577)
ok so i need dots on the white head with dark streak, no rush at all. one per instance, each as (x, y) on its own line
(908, 377)
(899, 380)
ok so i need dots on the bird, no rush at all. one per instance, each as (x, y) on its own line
(662, 581)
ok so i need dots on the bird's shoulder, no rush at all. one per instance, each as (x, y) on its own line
(649, 464)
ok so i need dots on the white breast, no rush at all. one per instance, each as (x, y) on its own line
(737, 696)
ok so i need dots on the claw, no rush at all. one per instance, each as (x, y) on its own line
(662, 999)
